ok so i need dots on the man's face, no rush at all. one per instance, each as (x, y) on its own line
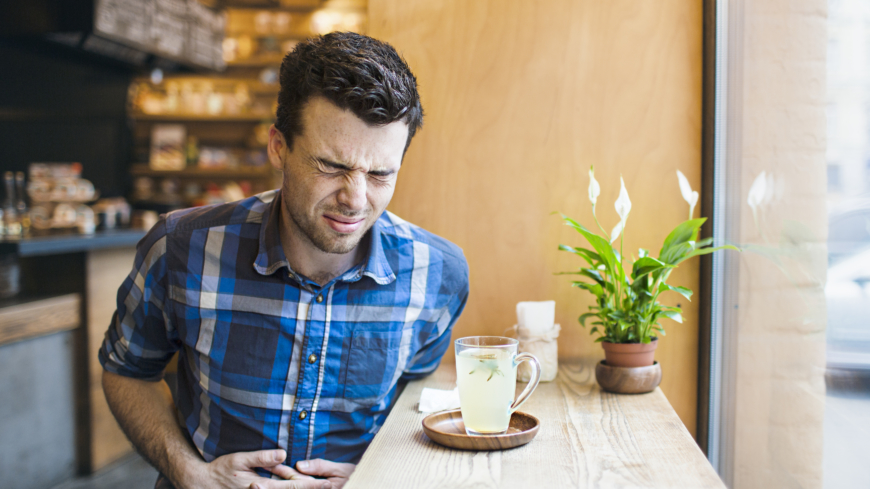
(339, 176)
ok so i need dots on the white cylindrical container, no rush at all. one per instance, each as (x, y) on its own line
(537, 335)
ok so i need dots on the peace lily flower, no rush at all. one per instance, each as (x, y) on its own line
(689, 195)
(594, 188)
(623, 207)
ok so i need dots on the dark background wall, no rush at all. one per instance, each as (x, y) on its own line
(57, 105)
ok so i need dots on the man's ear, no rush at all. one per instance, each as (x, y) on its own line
(276, 147)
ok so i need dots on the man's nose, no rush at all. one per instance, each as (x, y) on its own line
(353, 193)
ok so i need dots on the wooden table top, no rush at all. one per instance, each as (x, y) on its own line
(588, 438)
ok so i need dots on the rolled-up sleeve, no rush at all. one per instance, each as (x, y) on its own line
(141, 338)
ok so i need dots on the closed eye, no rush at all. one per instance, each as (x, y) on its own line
(333, 168)
(330, 166)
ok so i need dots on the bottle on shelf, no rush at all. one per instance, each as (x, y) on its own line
(10, 214)
(21, 205)
(191, 151)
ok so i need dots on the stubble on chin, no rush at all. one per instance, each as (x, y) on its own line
(334, 243)
(322, 237)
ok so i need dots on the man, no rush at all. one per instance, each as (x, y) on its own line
(297, 312)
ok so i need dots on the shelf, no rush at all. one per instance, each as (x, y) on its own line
(244, 172)
(257, 61)
(288, 5)
(253, 117)
(221, 82)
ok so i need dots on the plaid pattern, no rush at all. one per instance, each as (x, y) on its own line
(267, 358)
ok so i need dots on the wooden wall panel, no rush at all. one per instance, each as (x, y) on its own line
(520, 99)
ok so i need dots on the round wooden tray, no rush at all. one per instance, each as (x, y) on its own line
(628, 380)
(446, 428)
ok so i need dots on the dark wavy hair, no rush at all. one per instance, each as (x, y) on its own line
(354, 72)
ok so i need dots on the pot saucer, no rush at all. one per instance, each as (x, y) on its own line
(446, 428)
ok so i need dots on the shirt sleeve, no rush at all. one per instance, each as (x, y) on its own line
(141, 339)
(428, 357)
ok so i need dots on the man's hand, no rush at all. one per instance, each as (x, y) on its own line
(335, 472)
(236, 471)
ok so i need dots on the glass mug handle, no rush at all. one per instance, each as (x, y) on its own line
(533, 382)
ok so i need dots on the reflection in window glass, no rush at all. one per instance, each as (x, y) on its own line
(834, 184)
(847, 290)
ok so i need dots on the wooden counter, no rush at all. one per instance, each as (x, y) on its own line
(76, 279)
(588, 438)
(23, 319)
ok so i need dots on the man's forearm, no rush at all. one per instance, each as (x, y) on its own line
(146, 414)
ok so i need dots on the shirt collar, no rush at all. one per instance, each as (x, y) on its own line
(270, 256)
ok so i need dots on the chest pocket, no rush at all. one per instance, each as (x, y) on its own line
(371, 364)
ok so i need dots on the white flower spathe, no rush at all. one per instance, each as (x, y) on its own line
(689, 195)
(594, 188)
(623, 207)
(616, 231)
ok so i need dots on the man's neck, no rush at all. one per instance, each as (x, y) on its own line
(309, 261)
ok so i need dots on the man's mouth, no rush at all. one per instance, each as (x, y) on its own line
(343, 224)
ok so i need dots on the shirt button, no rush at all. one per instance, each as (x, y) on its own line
(320, 298)
(312, 358)
(303, 415)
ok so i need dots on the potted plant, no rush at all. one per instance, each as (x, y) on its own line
(627, 313)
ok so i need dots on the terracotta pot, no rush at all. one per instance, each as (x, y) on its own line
(629, 354)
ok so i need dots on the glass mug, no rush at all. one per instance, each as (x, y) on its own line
(486, 373)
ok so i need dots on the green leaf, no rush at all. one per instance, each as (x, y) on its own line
(704, 242)
(707, 251)
(600, 339)
(605, 252)
(584, 317)
(646, 265)
(590, 256)
(594, 288)
(684, 232)
(676, 253)
(676, 316)
(593, 274)
(687, 293)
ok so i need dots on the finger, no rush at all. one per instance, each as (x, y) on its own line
(261, 458)
(325, 468)
(286, 472)
(297, 484)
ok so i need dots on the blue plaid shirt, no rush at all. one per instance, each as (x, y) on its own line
(267, 358)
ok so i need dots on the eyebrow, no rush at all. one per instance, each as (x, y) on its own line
(341, 166)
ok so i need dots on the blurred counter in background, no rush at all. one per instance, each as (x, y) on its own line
(50, 332)
(70, 243)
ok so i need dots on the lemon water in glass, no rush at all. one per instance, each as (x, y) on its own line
(486, 373)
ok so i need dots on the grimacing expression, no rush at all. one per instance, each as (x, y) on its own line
(339, 175)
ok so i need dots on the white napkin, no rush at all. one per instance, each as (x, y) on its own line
(535, 318)
(432, 400)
